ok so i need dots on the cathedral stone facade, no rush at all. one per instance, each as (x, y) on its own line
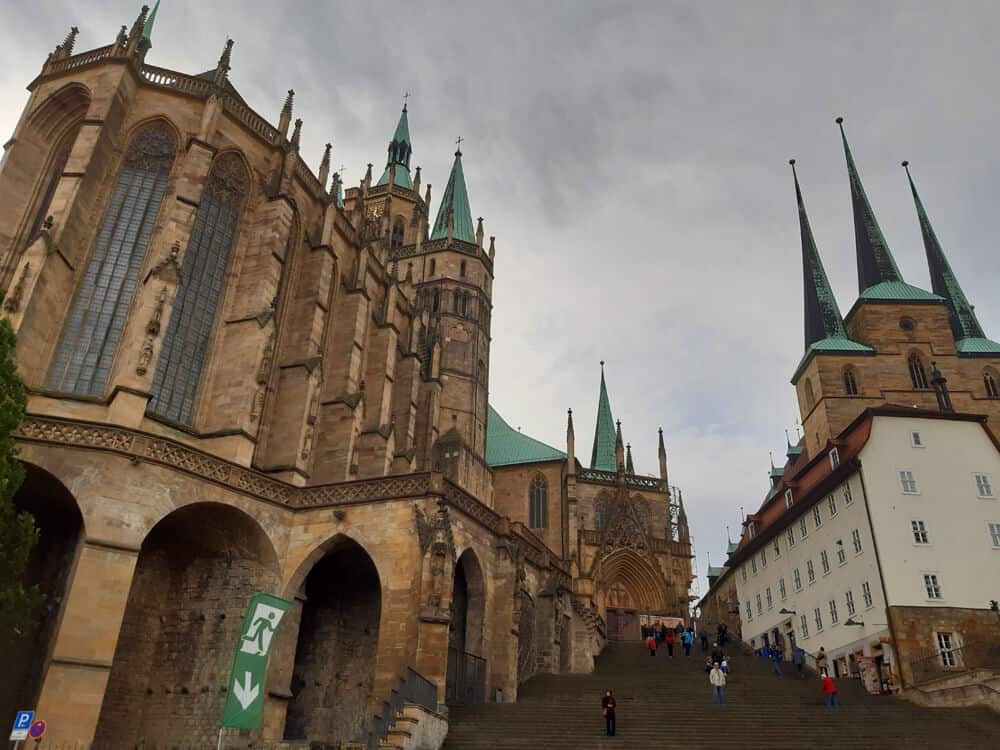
(247, 376)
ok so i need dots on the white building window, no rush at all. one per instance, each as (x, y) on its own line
(984, 485)
(803, 528)
(743, 572)
(797, 579)
(907, 483)
(789, 498)
(915, 440)
(760, 607)
(804, 622)
(810, 572)
(819, 619)
(834, 458)
(848, 498)
(866, 594)
(832, 503)
(763, 558)
(833, 612)
(856, 541)
(753, 565)
(777, 547)
(791, 536)
(781, 589)
(932, 586)
(995, 534)
(841, 556)
(849, 600)
(752, 529)
(919, 532)
(824, 560)
(817, 517)
(946, 643)
(749, 611)
(770, 601)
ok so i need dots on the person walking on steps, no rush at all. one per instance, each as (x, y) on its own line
(718, 681)
(608, 711)
(687, 639)
(704, 641)
(776, 657)
(822, 663)
(799, 660)
(830, 691)
(651, 642)
(670, 643)
(717, 655)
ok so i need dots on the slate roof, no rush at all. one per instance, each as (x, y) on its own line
(506, 446)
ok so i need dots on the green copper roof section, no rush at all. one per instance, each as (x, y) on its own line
(977, 347)
(455, 204)
(340, 193)
(962, 317)
(897, 291)
(715, 571)
(822, 314)
(506, 446)
(733, 546)
(147, 29)
(875, 262)
(399, 154)
(832, 345)
(603, 455)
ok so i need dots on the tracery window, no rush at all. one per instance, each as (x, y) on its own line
(990, 381)
(850, 382)
(397, 234)
(538, 511)
(185, 346)
(918, 376)
(93, 329)
(58, 166)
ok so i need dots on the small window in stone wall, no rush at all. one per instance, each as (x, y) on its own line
(990, 380)
(918, 374)
(538, 511)
(850, 382)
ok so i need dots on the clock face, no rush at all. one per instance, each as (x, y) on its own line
(375, 210)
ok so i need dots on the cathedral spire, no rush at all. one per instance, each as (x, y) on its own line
(822, 315)
(570, 444)
(875, 261)
(454, 216)
(629, 466)
(961, 314)
(619, 448)
(662, 454)
(400, 150)
(603, 455)
(147, 27)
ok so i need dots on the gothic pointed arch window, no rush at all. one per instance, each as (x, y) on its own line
(461, 269)
(538, 503)
(186, 344)
(992, 383)
(397, 233)
(57, 166)
(93, 330)
(435, 299)
(602, 512)
(850, 382)
(433, 266)
(918, 374)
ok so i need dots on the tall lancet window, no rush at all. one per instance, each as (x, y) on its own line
(185, 346)
(990, 381)
(538, 509)
(56, 168)
(917, 373)
(850, 382)
(96, 319)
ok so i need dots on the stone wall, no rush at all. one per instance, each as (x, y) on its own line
(914, 629)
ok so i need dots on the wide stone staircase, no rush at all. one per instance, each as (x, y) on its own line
(665, 703)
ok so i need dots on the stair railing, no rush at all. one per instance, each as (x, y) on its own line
(414, 688)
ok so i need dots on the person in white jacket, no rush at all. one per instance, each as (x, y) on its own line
(718, 680)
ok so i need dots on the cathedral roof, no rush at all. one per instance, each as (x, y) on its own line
(506, 446)
(399, 149)
(605, 436)
(455, 204)
(147, 28)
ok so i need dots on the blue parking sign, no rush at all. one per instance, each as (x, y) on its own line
(22, 723)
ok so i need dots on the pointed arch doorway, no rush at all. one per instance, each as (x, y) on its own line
(466, 680)
(622, 615)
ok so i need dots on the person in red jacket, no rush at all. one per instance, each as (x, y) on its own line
(651, 642)
(830, 691)
(671, 638)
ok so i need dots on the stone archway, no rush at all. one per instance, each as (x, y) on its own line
(334, 673)
(50, 568)
(527, 655)
(466, 679)
(196, 571)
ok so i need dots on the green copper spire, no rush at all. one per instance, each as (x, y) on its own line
(147, 29)
(399, 154)
(605, 435)
(822, 315)
(875, 262)
(455, 206)
(961, 315)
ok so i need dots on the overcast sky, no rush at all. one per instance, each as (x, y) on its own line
(631, 159)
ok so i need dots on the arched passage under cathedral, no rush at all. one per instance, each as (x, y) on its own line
(466, 680)
(50, 568)
(196, 571)
(334, 673)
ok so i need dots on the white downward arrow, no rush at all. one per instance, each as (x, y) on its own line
(246, 693)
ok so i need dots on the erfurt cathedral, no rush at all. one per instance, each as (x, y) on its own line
(245, 376)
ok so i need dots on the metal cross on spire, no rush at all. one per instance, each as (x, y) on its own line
(459, 144)
(406, 95)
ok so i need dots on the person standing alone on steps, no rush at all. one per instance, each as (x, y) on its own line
(651, 642)
(608, 710)
(776, 657)
(830, 691)
(718, 682)
(799, 660)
